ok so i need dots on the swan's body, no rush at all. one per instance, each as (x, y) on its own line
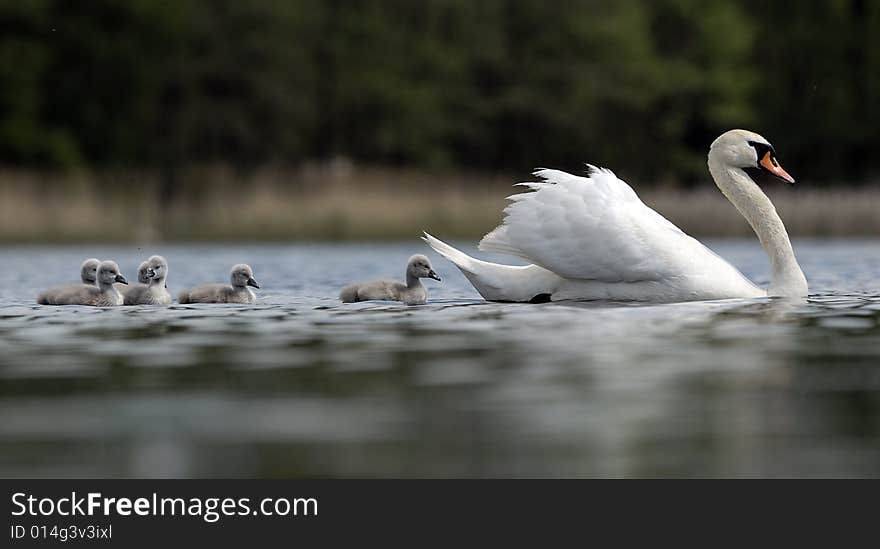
(152, 291)
(411, 293)
(592, 238)
(103, 294)
(237, 291)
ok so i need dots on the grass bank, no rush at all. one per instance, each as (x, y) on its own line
(343, 202)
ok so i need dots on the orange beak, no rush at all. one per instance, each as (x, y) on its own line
(770, 164)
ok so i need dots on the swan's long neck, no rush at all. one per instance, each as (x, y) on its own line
(787, 277)
(412, 281)
(104, 286)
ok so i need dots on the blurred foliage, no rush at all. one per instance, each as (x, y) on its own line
(642, 87)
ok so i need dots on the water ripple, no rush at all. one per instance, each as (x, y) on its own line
(301, 385)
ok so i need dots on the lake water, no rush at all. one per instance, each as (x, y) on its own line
(300, 385)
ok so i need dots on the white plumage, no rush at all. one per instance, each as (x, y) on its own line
(592, 238)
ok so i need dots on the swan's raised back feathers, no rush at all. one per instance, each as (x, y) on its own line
(592, 238)
(590, 228)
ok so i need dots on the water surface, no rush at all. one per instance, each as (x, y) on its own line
(300, 385)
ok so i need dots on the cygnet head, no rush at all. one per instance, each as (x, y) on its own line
(108, 274)
(89, 271)
(745, 149)
(144, 275)
(242, 275)
(158, 269)
(419, 266)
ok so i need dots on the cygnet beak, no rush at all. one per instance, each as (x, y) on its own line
(252, 282)
(432, 274)
(151, 273)
(121, 279)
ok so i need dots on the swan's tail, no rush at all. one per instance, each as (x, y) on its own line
(497, 282)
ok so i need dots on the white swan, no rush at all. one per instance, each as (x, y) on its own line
(592, 238)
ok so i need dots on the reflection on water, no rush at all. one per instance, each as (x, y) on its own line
(300, 385)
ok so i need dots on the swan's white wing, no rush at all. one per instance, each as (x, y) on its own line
(596, 228)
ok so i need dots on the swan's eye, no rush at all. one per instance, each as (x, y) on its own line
(762, 149)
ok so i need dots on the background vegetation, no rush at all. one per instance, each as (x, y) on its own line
(143, 102)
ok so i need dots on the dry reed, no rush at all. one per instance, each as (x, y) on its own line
(340, 202)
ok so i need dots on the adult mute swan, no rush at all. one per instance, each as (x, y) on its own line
(592, 238)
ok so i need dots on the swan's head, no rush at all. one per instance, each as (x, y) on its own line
(89, 271)
(745, 149)
(144, 274)
(158, 267)
(419, 266)
(242, 275)
(108, 273)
